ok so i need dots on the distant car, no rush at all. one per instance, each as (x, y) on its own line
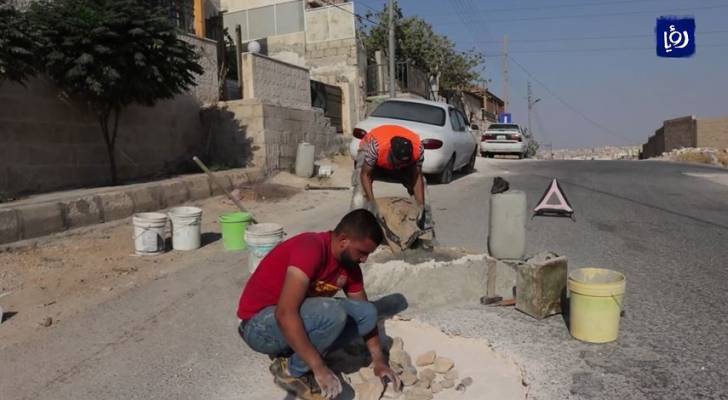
(504, 139)
(449, 143)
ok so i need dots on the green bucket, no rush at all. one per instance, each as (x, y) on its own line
(233, 228)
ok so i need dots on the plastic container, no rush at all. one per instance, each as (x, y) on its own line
(261, 239)
(233, 228)
(149, 233)
(595, 304)
(507, 225)
(186, 227)
(305, 159)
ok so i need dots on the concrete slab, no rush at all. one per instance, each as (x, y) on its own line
(115, 205)
(239, 179)
(198, 187)
(9, 226)
(224, 181)
(541, 286)
(146, 199)
(81, 212)
(502, 277)
(41, 219)
(174, 192)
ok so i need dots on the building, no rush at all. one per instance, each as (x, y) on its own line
(318, 35)
(480, 105)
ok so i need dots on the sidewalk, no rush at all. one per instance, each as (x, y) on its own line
(45, 214)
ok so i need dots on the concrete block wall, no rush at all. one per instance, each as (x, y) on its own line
(712, 133)
(251, 133)
(290, 48)
(269, 80)
(340, 62)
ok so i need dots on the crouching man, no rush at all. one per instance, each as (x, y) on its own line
(288, 312)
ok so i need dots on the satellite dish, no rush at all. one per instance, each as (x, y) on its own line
(254, 47)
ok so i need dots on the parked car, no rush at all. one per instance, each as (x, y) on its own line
(504, 139)
(446, 136)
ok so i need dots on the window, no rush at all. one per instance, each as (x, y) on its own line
(407, 111)
(456, 120)
(503, 127)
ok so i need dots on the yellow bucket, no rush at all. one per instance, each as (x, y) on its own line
(595, 304)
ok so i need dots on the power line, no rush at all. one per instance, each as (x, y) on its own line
(596, 50)
(349, 12)
(567, 104)
(554, 7)
(600, 15)
(576, 38)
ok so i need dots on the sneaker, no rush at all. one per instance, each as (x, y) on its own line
(303, 387)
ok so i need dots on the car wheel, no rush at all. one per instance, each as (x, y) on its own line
(471, 165)
(445, 176)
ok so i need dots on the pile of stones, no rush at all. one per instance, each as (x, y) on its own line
(429, 375)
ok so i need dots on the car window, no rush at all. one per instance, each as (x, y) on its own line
(456, 120)
(463, 120)
(503, 127)
(407, 111)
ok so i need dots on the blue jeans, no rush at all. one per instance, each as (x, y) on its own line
(330, 323)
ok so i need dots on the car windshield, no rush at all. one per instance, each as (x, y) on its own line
(406, 111)
(503, 127)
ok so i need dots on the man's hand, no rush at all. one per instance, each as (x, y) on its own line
(382, 370)
(328, 382)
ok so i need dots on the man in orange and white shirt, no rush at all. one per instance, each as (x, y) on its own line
(390, 153)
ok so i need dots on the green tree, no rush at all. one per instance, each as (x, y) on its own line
(110, 54)
(17, 44)
(418, 44)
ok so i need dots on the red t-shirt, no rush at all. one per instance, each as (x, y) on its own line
(311, 253)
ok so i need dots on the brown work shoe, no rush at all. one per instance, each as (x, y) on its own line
(303, 387)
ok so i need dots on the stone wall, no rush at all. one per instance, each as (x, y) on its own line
(48, 142)
(274, 81)
(252, 133)
(679, 132)
(207, 90)
(712, 133)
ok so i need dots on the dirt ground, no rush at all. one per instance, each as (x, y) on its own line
(47, 280)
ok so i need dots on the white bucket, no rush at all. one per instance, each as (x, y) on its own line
(149, 233)
(186, 223)
(261, 239)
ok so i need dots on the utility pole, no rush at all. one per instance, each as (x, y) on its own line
(506, 100)
(531, 103)
(392, 89)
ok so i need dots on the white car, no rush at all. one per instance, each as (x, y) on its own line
(504, 139)
(448, 140)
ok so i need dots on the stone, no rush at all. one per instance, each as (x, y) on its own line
(426, 358)
(397, 344)
(391, 391)
(443, 365)
(46, 322)
(175, 192)
(371, 390)
(81, 212)
(541, 285)
(427, 375)
(464, 384)
(115, 205)
(408, 378)
(367, 374)
(418, 394)
(9, 226)
(452, 375)
(424, 384)
(447, 383)
(198, 187)
(436, 388)
(403, 360)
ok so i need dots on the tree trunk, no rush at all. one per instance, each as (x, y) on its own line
(110, 140)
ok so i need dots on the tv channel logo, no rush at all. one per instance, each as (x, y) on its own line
(675, 37)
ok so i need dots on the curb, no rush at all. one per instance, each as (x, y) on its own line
(35, 220)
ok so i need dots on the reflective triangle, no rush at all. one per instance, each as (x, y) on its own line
(545, 205)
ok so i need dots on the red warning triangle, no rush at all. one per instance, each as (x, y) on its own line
(561, 206)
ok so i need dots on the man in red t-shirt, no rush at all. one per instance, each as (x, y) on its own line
(288, 312)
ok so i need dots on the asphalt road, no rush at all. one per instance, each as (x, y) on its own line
(175, 338)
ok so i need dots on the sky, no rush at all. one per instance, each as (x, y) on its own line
(592, 63)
